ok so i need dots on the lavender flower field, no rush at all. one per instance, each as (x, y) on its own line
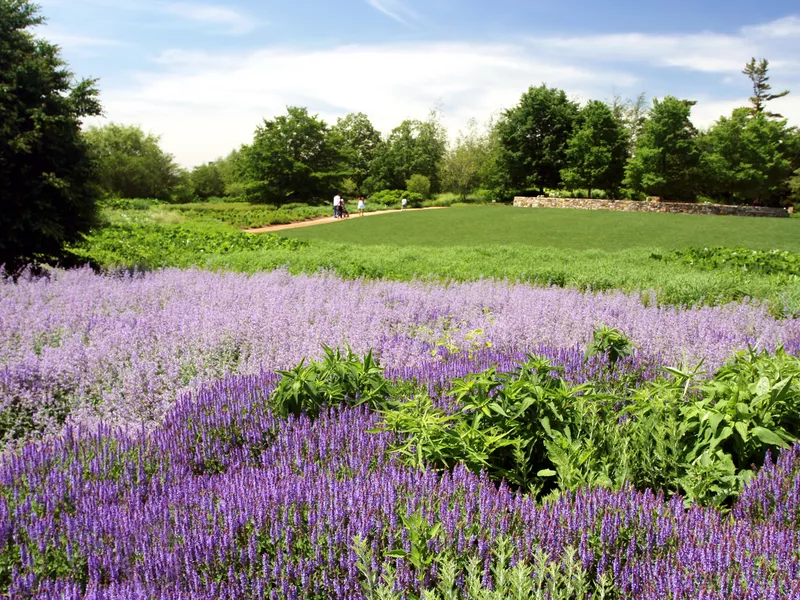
(144, 458)
(81, 348)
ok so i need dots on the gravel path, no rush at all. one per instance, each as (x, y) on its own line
(324, 220)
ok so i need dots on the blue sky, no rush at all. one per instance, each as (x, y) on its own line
(202, 74)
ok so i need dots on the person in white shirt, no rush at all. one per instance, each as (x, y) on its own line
(403, 203)
(337, 201)
(361, 206)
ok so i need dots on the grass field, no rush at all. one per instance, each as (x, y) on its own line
(580, 249)
(558, 228)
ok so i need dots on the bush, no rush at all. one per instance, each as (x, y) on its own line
(629, 194)
(678, 435)
(340, 378)
(129, 203)
(419, 184)
(393, 197)
(484, 196)
(577, 193)
(295, 206)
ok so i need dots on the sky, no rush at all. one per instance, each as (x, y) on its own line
(204, 74)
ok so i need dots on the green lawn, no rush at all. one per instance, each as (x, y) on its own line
(557, 228)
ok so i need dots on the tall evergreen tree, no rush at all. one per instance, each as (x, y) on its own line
(757, 72)
(47, 195)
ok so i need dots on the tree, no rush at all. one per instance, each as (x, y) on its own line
(465, 163)
(207, 181)
(130, 162)
(231, 169)
(533, 138)
(632, 115)
(666, 159)
(597, 151)
(47, 192)
(412, 148)
(794, 185)
(757, 72)
(743, 158)
(292, 158)
(358, 142)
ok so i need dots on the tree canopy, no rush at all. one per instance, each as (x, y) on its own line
(48, 194)
(131, 163)
(667, 156)
(292, 158)
(412, 148)
(359, 142)
(744, 158)
(597, 151)
(533, 138)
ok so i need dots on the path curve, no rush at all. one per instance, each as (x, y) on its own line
(324, 220)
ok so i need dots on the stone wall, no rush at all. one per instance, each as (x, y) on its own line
(650, 206)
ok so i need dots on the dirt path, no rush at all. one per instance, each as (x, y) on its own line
(324, 220)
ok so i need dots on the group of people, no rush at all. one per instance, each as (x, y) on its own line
(340, 210)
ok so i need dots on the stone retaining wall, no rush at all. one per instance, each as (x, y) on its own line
(650, 206)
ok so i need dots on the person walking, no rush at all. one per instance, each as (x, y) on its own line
(337, 199)
(361, 206)
(403, 203)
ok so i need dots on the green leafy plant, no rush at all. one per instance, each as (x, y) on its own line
(339, 378)
(610, 342)
(545, 577)
(752, 404)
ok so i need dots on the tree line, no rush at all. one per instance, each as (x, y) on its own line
(547, 142)
(54, 170)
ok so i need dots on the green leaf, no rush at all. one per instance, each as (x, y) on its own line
(546, 473)
(768, 437)
(763, 386)
(741, 429)
(498, 409)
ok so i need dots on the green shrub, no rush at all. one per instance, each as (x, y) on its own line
(419, 184)
(677, 434)
(393, 197)
(576, 193)
(336, 380)
(145, 246)
(130, 203)
(465, 578)
(773, 262)
(483, 196)
(295, 206)
(629, 194)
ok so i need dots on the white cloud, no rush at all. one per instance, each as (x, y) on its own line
(780, 28)
(231, 20)
(395, 9)
(705, 51)
(206, 104)
(217, 17)
(708, 111)
(72, 42)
